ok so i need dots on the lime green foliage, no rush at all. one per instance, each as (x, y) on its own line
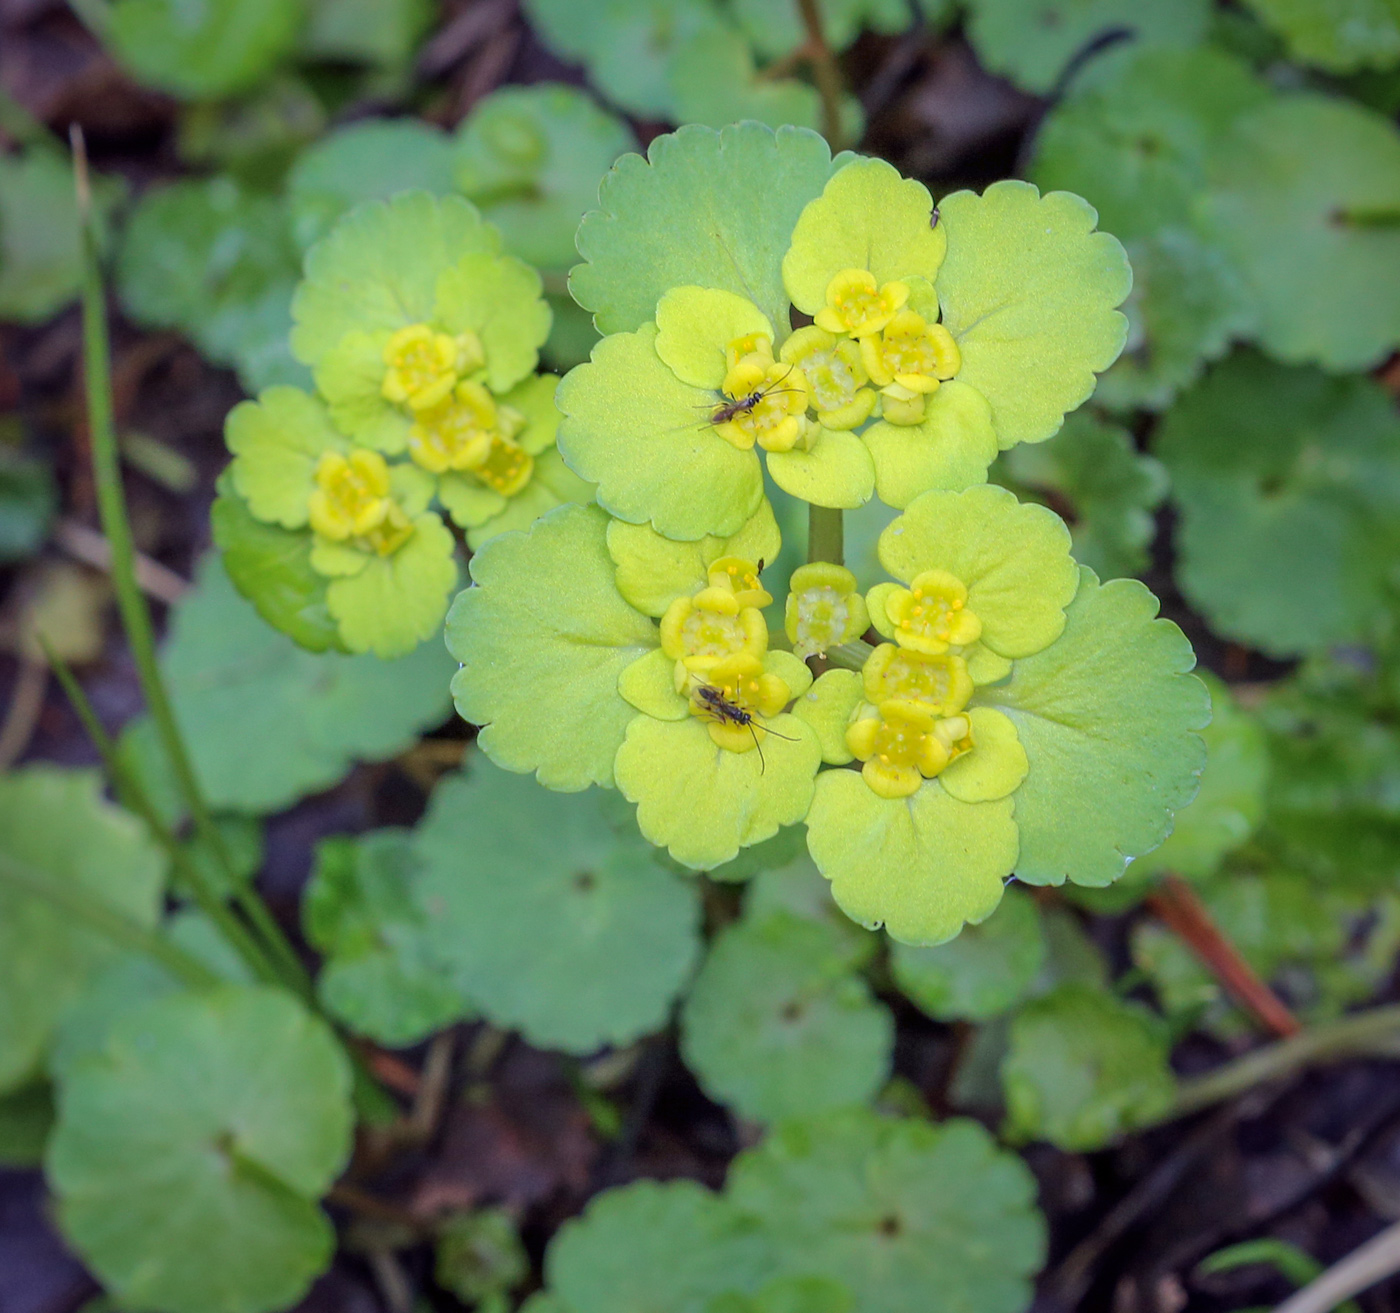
(216, 48)
(1028, 291)
(177, 1104)
(654, 1247)
(1340, 36)
(541, 676)
(1033, 45)
(358, 912)
(531, 159)
(55, 824)
(1106, 716)
(1304, 195)
(545, 917)
(28, 500)
(381, 33)
(266, 722)
(1286, 482)
(1083, 1068)
(479, 1258)
(788, 1295)
(982, 973)
(1112, 490)
(26, 1118)
(218, 263)
(704, 209)
(908, 1214)
(40, 256)
(366, 161)
(779, 1025)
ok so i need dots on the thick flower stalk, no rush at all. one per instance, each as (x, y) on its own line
(423, 341)
(988, 709)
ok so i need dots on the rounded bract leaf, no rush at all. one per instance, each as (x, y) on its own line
(378, 269)
(542, 638)
(1338, 35)
(56, 824)
(358, 912)
(1106, 715)
(267, 722)
(1305, 194)
(531, 158)
(910, 1215)
(1288, 484)
(982, 973)
(547, 919)
(654, 1247)
(704, 209)
(867, 217)
(1084, 1066)
(202, 51)
(1028, 290)
(365, 161)
(1137, 143)
(1034, 44)
(236, 1101)
(778, 1024)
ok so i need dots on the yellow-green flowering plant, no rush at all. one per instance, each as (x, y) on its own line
(990, 709)
(423, 341)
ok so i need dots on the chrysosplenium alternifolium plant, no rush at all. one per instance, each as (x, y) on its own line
(767, 306)
(424, 341)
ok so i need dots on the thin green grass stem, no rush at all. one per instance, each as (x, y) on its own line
(825, 535)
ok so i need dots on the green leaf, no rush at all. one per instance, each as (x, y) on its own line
(908, 1214)
(982, 973)
(1113, 490)
(1186, 305)
(779, 1025)
(366, 161)
(1028, 291)
(1106, 715)
(545, 918)
(55, 823)
(1083, 1068)
(40, 253)
(1137, 143)
(375, 32)
(1340, 36)
(655, 1247)
(26, 1118)
(1297, 190)
(542, 638)
(272, 568)
(704, 209)
(1034, 44)
(479, 1257)
(378, 269)
(531, 159)
(867, 217)
(213, 260)
(28, 500)
(266, 722)
(358, 912)
(1230, 804)
(776, 28)
(179, 1104)
(202, 51)
(1288, 484)
(788, 1295)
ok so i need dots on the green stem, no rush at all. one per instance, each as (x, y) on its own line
(134, 797)
(826, 71)
(136, 619)
(825, 535)
(1369, 216)
(1376, 1030)
(104, 919)
(849, 656)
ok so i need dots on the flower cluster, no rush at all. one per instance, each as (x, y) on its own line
(423, 342)
(990, 708)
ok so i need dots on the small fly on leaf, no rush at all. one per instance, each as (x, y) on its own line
(728, 712)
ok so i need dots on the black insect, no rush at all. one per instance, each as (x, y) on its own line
(933, 218)
(723, 709)
(733, 407)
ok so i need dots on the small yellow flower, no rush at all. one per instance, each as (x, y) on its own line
(900, 747)
(740, 577)
(836, 377)
(352, 501)
(931, 615)
(908, 360)
(766, 403)
(939, 682)
(506, 468)
(700, 632)
(855, 304)
(455, 434)
(422, 366)
(732, 695)
(823, 608)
